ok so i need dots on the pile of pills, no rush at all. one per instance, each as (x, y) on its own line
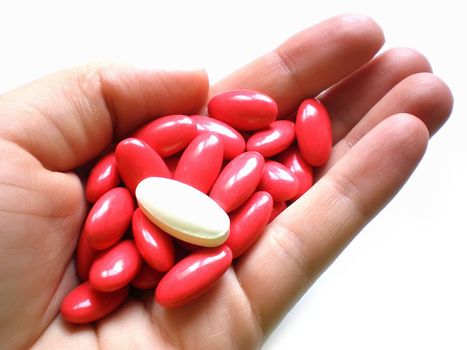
(174, 204)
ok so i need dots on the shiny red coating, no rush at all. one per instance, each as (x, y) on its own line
(147, 277)
(243, 109)
(274, 139)
(193, 276)
(116, 267)
(102, 178)
(201, 162)
(109, 218)
(281, 184)
(155, 246)
(277, 208)
(314, 133)
(233, 142)
(168, 135)
(84, 304)
(137, 160)
(85, 256)
(238, 180)
(294, 161)
(248, 222)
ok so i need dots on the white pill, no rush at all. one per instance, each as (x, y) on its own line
(183, 212)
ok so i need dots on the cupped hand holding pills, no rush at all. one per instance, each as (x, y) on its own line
(63, 122)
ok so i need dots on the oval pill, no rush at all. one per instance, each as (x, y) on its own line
(102, 178)
(168, 135)
(155, 246)
(115, 268)
(238, 180)
(281, 184)
(302, 171)
(137, 160)
(193, 276)
(109, 218)
(232, 140)
(201, 162)
(84, 304)
(183, 211)
(243, 109)
(248, 222)
(272, 140)
(314, 134)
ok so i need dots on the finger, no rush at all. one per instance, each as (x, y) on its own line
(302, 241)
(423, 95)
(310, 61)
(69, 117)
(353, 97)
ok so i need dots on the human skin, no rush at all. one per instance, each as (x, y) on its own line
(383, 111)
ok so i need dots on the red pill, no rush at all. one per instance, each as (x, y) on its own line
(238, 180)
(155, 246)
(147, 277)
(168, 135)
(84, 304)
(102, 178)
(137, 161)
(201, 162)
(294, 161)
(115, 268)
(272, 140)
(277, 208)
(233, 142)
(248, 222)
(314, 134)
(281, 184)
(109, 218)
(243, 109)
(193, 276)
(85, 256)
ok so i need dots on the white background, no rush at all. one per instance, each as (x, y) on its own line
(401, 284)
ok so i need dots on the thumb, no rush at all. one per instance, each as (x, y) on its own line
(69, 117)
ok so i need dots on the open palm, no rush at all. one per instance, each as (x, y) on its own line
(383, 110)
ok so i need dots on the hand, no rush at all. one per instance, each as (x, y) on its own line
(383, 110)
